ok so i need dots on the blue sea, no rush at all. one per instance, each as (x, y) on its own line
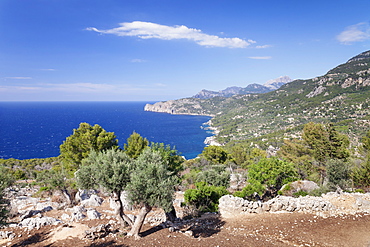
(36, 129)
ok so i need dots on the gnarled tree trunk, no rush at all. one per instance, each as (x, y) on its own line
(139, 221)
(122, 217)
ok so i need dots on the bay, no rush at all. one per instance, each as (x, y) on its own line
(36, 129)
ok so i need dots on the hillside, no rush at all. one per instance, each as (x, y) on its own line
(340, 96)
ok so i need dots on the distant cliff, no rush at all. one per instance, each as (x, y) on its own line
(187, 106)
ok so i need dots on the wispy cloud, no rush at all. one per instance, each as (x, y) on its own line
(138, 60)
(95, 88)
(19, 78)
(355, 33)
(149, 30)
(261, 58)
(48, 69)
(263, 46)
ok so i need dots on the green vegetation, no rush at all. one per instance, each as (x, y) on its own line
(6, 180)
(135, 145)
(84, 139)
(149, 178)
(205, 197)
(266, 178)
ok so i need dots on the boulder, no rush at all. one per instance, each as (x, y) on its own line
(38, 222)
(301, 185)
(93, 201)
(93, 214)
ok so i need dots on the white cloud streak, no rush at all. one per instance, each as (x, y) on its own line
(95, 88)
(355, 33)
(263, 46)
(138, 60)
(19, 78)
(261, 58)
(148, 30)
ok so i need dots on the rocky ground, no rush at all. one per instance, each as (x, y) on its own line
(90, 224)
(270, 229)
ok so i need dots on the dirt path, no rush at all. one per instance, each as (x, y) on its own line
(270, 229)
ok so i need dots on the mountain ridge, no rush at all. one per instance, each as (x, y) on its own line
(270, 85)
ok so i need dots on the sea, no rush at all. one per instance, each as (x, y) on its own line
(37, 129)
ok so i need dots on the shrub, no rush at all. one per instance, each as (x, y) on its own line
(205, 197)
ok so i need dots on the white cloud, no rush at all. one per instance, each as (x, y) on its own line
(355, 33)
(19, 78)
(48, 69)
(148, 30)
(81, 88)
(261, 58)
(138, 60)
(263, 46)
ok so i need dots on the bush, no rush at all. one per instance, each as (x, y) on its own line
(205, 197)
(300, 193)
(318, 192)
(268, 176)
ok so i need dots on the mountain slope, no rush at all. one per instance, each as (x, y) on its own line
(341, 96)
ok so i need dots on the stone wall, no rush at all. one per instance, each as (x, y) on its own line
(327, 205)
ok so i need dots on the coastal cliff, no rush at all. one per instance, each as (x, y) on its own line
(182, 106)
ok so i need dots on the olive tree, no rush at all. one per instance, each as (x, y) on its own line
(151, 185)
(110, 170)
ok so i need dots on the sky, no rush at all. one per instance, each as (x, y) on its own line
(156, 50)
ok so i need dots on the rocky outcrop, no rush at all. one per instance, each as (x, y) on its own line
(327, 205)
(38, 222)
(318, 90)
(187, 106)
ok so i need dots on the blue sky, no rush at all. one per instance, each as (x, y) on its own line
(121, 50)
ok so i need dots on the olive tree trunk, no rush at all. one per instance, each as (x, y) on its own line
(122, 217)
(139, 221)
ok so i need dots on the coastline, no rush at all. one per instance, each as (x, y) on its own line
(168, 107)
(211, 140)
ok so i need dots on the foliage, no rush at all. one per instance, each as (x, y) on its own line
(324, 142)
(215, 154)
(83, 140)
(109, 169)
(268, 176)
(151, 181)
(366, 143)
(6, 180)
(205, 197)
(321, 190)
(244, 155)
(361, 175)
(338, 173)
(215, 175)
(170, 155)
(27, 168)
(135, 145)
(55, 178)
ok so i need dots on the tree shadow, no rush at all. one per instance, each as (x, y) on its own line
(36, 238)
(207, 226)
(204, 227)
(106, 244)
(151, 231)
